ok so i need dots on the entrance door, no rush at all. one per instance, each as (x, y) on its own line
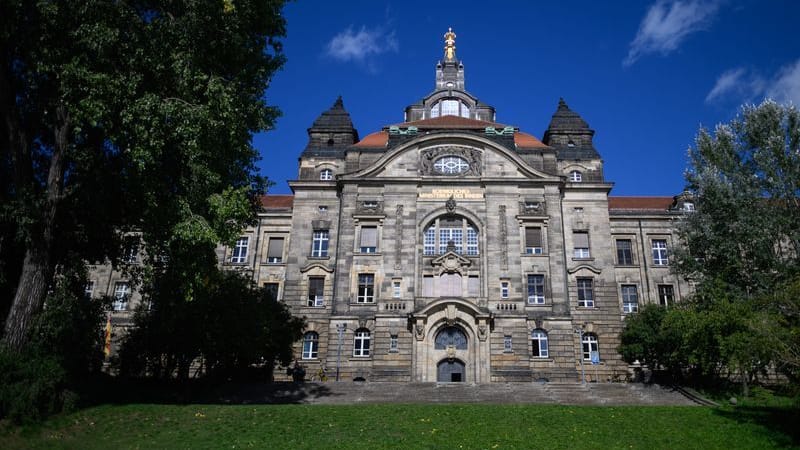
(450, 371)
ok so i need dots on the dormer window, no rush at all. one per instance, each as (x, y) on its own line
(688, 206)
(326, 175)
(450, 107)
(575, 176)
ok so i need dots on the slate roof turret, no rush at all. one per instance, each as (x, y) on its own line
(331, 133)
(570, 135)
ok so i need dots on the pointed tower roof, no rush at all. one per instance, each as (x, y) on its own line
(570, 135)
(567, 119)
(331, 133)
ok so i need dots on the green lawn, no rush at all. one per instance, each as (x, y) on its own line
(410, 426)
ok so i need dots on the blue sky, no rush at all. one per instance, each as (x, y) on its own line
(644, 75)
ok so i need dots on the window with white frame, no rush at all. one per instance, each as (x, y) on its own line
(361, 342)
(533, 240)
(316, 289)
(660, 257)
(396, 289)
(239, 254)
(131, 253)
(535, 289)
(446, 231)
(589, 345)
(326, 175)
(624, 252)
(688, 206)
(539, 345)
(585, 292)
(310, 345)
(319, 243)
(275, 250)
(666, 294)
(630, 298)
(575, 176)
(507, 344)
(122, 292)
(88, 289)
(504, 288)
(366, 288)
(580, 240)
(369, 239)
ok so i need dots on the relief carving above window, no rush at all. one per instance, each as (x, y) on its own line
(369, 207)
(451, 161)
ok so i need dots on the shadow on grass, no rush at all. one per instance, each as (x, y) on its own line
(781, 423)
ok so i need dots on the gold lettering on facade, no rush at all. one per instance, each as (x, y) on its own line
(457, 194)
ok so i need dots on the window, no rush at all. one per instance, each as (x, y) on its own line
(319, 245)
(427, 286)
(660, 252)
(271, 291)
(580, 240)
(585, 293)
(369, 239)
(393, 347)
(624, 252)
(275, 250)
(589, 345)
(535, 289)
(451, 165)
(504, 289)
(366, 288)
(239, 255)
(507, 344)
(122, 292)
(455, 231)
(88, 289)
(316, 287)
(540, 348)
(575, 176)
(131, 253)
(666, 294)
(473, 286)
(688, 206)
(326, 175)
(533, 240)
(310, 345)
(361, 342)
(450, 336)
(323, 208)
(630, 299)
(396, 291)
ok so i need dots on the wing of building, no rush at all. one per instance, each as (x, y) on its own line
(450, 247)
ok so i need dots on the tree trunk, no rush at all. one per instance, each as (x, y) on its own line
(38, 267)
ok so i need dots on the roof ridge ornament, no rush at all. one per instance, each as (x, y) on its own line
(449, 44)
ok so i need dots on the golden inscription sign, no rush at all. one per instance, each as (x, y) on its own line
(457, 194)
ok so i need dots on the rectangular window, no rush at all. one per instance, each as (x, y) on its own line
(666, 294)
(533, 240)
(316, 287)
(507, 344)
(585, 293)
(361, 343)
(88, 290)
(396, 291)
(624, 252)
(535, 289)
(580, 240)
(131, 253)
(504, 289)
(319, 245)
(369, 240)
(393, 347)
(122, 292)
(451, 235)
(275, 250)
(474, 286)
(366, 288)
(660, 257)
(472, 241)
(449, 285)
(271, 291)
(430, 241)
(427, 286)
(630, 299)
(239, 255)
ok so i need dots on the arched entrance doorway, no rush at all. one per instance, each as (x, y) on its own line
(451, 371)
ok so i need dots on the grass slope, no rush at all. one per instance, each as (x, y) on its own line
(409, 426)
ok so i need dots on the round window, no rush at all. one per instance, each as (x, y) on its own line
(451, 165)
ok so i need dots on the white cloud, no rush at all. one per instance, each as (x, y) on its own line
(667, 23)
(359, 46)
(743, 85)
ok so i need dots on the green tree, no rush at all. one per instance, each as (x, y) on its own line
(120, 116)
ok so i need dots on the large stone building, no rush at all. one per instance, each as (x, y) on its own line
(450, 247)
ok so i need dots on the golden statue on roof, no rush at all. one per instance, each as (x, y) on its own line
(449, 44)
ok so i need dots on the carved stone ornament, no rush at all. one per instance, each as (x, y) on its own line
(419, 329)
(451, 262)
(482, 332)
(450, 204)
(532, 207)
(472, 157)
(369, 207)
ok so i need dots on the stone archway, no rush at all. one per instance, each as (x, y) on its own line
(451, 371)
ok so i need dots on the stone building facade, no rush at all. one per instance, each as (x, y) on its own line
(450, 247)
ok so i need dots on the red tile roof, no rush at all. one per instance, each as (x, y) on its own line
(277, 201)
(647, 203)
(374, 140)
(455, 122)
(525, 140)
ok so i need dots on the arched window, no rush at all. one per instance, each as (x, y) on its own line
(457, 232)
(310, 345)
(449, 107)
(361, 342)
(540, 348)
(451, 336)
(589, 345)
(575, 176)
(326, 175)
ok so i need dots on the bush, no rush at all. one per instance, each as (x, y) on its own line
(31, 386)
